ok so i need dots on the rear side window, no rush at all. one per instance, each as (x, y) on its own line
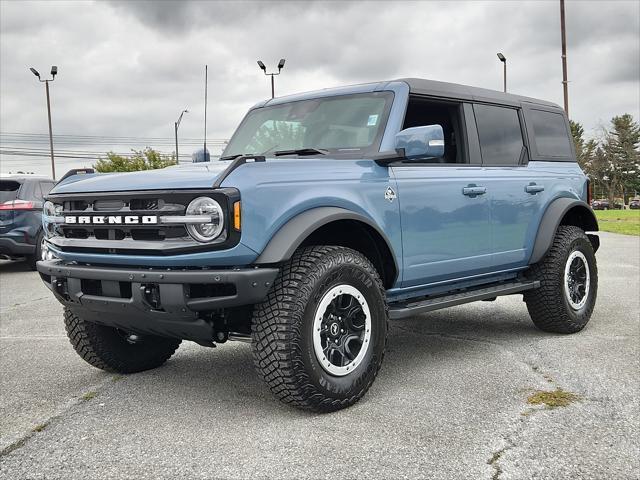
(500, 135)
(550, 133)
(8, 190)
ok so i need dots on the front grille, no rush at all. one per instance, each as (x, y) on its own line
(123, 206)
(120, 237)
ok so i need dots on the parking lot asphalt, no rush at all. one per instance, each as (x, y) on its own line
(449, 402)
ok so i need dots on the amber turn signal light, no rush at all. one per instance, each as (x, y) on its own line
(236, 216)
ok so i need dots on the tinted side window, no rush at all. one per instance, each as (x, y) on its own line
(500, 135)
(8, 190)
(550, 132)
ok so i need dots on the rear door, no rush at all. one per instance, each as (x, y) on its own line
(516, 194)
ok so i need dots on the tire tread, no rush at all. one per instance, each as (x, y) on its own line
(546, 304)
(277, 328)
(96, 345)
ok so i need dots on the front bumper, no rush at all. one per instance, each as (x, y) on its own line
(154, 301)
(15, 247)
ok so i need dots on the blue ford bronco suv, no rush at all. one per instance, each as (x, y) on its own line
(328, 214)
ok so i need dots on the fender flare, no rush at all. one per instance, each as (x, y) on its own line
(551, 221)
(291, 235)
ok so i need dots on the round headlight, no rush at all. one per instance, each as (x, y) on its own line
(49, 209)
(205, 232)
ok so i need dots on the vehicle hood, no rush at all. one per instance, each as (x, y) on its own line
(190, 176)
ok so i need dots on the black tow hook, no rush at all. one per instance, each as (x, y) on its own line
(151, 295)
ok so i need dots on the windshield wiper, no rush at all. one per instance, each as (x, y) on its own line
(301, 151)
(278, 153)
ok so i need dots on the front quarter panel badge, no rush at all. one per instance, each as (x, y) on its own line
(390, 194)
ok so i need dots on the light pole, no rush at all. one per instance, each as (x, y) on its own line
(503, 59)
(176, 125)
(264, 69)
(54, 72)
(563, 34)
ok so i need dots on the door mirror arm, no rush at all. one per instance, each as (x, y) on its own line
(391, 156)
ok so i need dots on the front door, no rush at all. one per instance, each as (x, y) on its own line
(446, 228)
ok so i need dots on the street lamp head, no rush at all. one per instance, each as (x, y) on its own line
(502, 57)
(35, 72)
(262, 67)
(281, 64)
(54, 71)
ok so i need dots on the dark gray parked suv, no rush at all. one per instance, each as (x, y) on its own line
(21, 198)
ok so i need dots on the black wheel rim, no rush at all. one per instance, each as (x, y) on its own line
(577, 280)
(342, 329)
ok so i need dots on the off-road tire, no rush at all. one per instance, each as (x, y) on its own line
(282, 329)
(107, 348)
(548, 305)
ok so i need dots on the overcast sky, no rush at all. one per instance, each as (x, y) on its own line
(129, 68)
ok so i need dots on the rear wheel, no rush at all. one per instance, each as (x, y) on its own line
(568, 277)
(319, 337)
(114, 350)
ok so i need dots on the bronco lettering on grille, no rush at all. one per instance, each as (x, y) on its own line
(111, 219)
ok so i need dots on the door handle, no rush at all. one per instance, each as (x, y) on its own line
(474, 190)
(532, 188)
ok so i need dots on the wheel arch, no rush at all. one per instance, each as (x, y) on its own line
(333, 226)
(563, 211)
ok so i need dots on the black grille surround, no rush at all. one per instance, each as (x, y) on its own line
(139, 239)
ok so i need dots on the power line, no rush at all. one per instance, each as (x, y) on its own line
(90, 148)
(38, 137)
(72, 154)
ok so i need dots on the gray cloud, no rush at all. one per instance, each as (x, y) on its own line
(128, 68)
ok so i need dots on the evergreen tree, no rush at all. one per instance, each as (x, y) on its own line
(621, 147)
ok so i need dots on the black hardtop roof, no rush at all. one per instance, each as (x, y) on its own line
(421, 86)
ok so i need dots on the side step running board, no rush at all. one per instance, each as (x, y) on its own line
(404, 310)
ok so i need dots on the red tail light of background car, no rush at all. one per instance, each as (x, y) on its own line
(17, 205)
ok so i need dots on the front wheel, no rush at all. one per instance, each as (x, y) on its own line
(319, 337)
(114, 350)
(568, 277)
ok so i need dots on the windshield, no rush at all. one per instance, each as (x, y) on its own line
(340, 124)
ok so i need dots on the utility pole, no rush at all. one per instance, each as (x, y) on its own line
(565, 82)
(205, 111)
(176, 125)
(54, 72)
